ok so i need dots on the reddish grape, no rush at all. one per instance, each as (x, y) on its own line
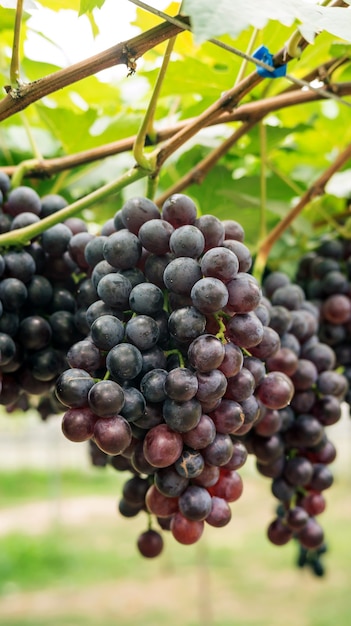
(186, 531)
(229, 486)
(112, 434)
(78, 424)
(276, 390)
(162, 446)
(159, 504)
(220, 514)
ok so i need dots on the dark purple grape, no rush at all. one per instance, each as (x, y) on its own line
(181, 384)
(219, 451)
(182, 416)
(114, 289)
(73, 386)
(220, 263)
(241, 251)
(209, 295)
(146, 299)
(150, 543)
(162, 446)
(142, 331)
(154, 236)
(201, 435)
(124, 361)
(212, 229)
(276, 390)
(152, 385)
(187, 241)
(106, 398)
(78, 424)
(190, 463)
(232, 361)
(107, 331)
(195, 503)
(244, 293)
(245, 330)
(220, 514)
(179, 210)
(278, 532)
(181, 274)
(169, 482)
(22, 199)
(186, 323)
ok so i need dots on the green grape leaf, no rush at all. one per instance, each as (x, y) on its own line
(86, 6)
(57, 5)
(231, 17)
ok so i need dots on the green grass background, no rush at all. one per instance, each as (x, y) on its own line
(91, 573)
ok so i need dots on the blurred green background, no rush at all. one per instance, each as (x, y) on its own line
(68, 558)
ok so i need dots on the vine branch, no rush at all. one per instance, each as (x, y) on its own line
(126, 52)
(258, 111)
(200, 170)
(23, 236)
(245, 112)
(317, 189)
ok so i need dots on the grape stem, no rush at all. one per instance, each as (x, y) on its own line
(317, 189)
(221, 333)
(148, 161)
(179, 354)
(249, 50)
(23, 236)
(15, 64)
(152, 185)
(263, 179)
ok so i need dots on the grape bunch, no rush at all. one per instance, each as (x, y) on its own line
(325, 276)
(42, 291)
(164, 384)
(162, 352)
(291, 445)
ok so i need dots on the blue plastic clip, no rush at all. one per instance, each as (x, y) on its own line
(262, 54)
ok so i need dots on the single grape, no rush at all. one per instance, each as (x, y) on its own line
(206, 353)
(179, 210)
(229, 486)
(150, 543)
(220, 514)
(276, 390)
(124, 361)
(187, 241)
(107, 331)
(112, 434)
(142, 331)
(195, 503)
(181, 274)
(78, 424)
(209, 295)
(159, 504)
(154, 236)
(114, 289)
(190, 463)
(106, 398)
(162, 446)
(181, 384)
(186, 531)
(135, 212)
(73, 386)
